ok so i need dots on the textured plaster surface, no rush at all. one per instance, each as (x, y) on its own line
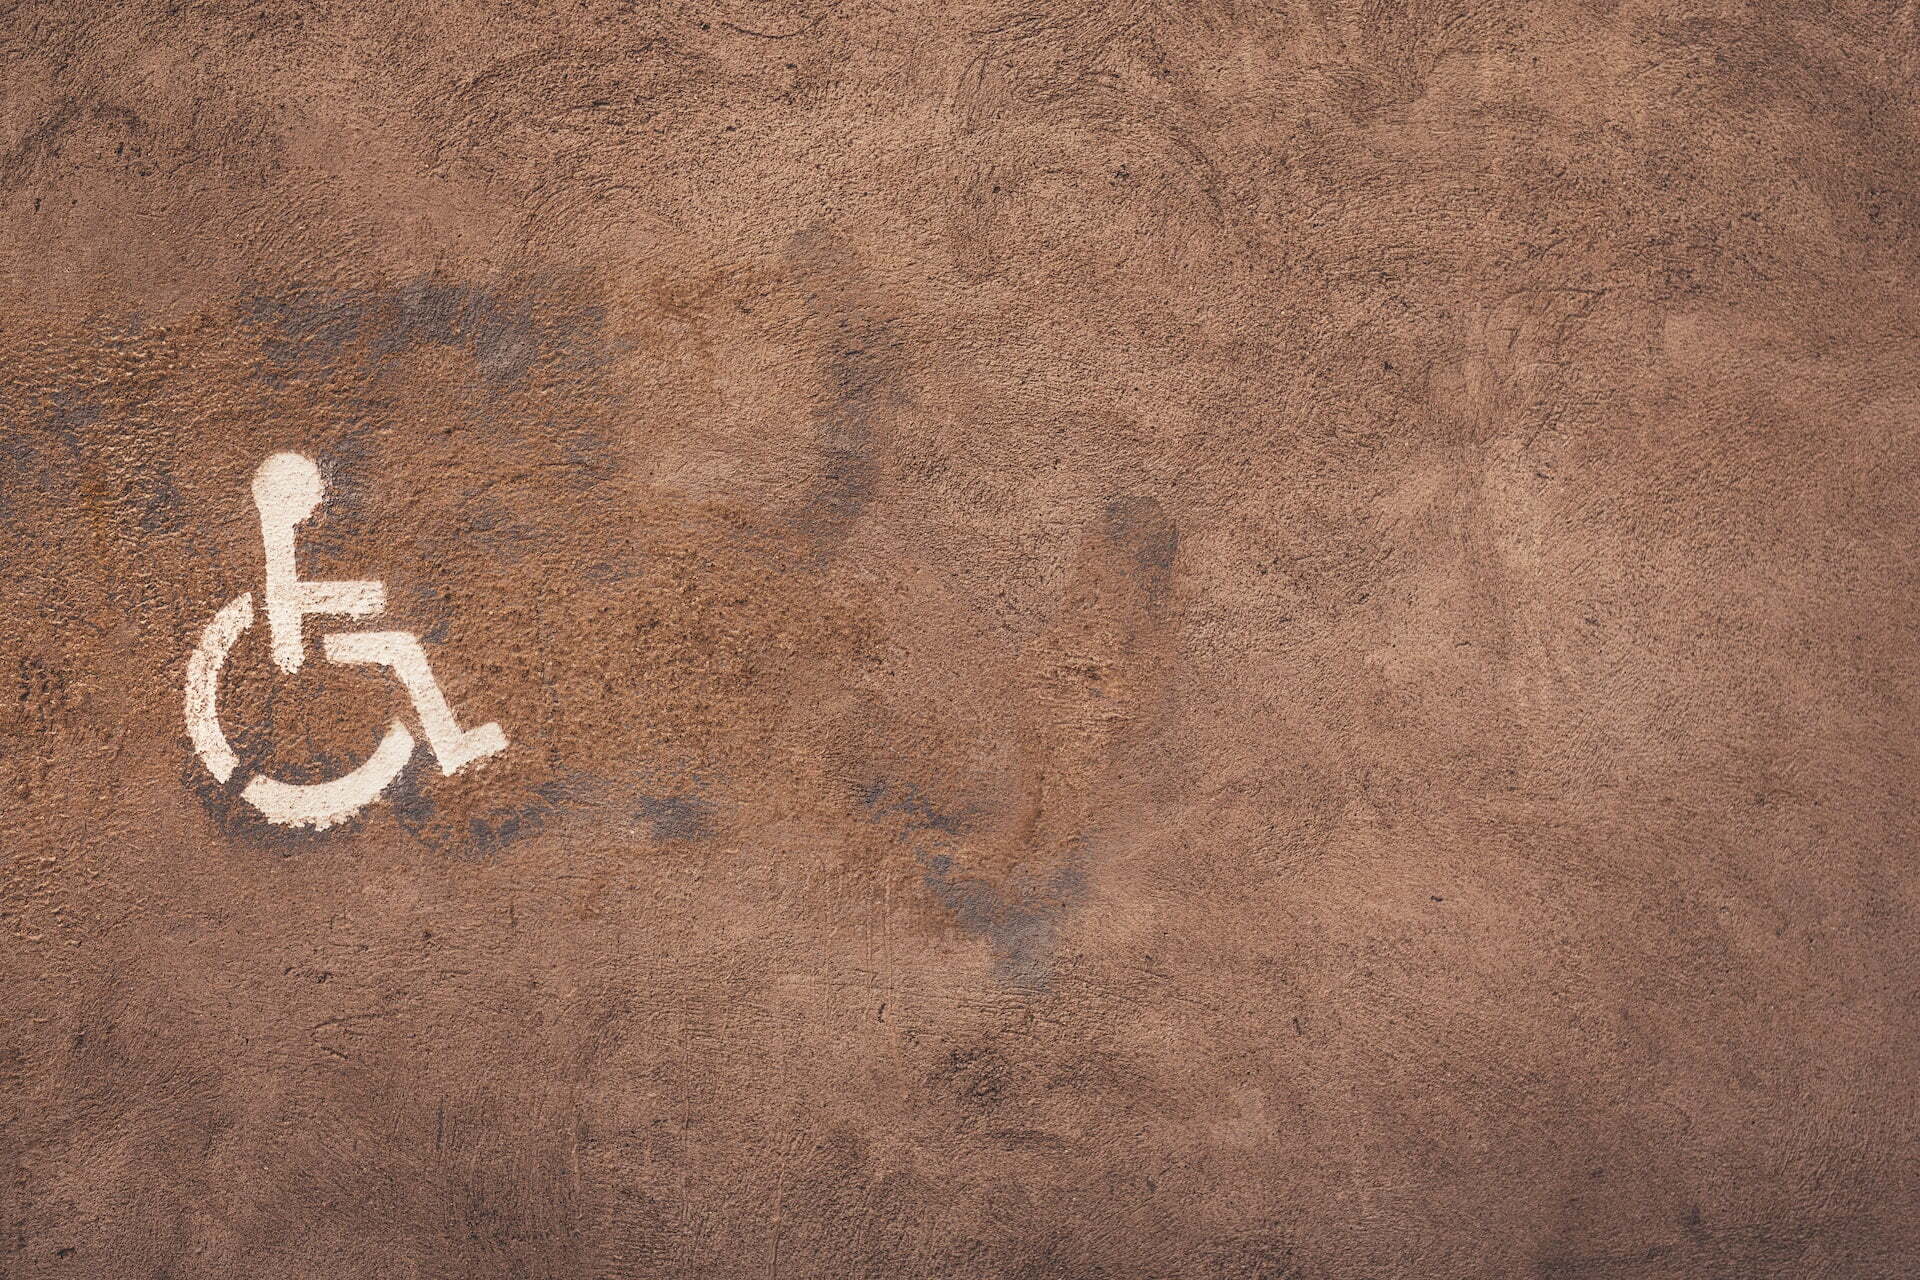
(1188, 639)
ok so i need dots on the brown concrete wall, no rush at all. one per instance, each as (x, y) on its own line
(1139, 639)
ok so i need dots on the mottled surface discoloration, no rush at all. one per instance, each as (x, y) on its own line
(1139, 640)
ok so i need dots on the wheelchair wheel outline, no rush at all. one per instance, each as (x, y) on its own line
(318, 804)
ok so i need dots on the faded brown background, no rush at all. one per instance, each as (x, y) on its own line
(1186, 639)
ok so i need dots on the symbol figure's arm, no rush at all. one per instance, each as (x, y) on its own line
(290, 601)
(453, 747)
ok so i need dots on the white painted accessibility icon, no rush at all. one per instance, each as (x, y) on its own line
(287, 489)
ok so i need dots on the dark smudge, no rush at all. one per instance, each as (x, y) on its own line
(507, 329)
(1019, 919)
(41, 459)
(1140, 527)
(859, 381)
(477, 833)
(903, 800)
(678, 817)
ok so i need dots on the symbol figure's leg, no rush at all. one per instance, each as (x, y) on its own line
(286, 489)
(453, 747)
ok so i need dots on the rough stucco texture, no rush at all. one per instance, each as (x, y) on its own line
(1140, 639)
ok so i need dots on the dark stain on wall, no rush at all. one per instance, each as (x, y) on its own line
(679, 817)
(506, 330)
(1019, 919)
(1016, 917)
(859, 382)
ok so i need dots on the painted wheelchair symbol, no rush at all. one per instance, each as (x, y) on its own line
(287, 489)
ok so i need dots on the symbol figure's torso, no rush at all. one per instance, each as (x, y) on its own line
(287, 489)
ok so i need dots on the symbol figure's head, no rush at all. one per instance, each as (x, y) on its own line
(287, 488)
